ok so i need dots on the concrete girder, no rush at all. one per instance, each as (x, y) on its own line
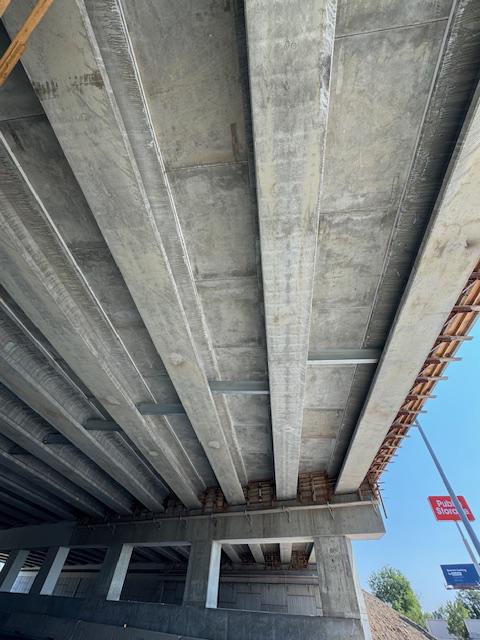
(121, 190)
(183, 551)
(232, 553)
(37, 471)
(168, 554)
(447, 256)
(36, 275)
(257, 553)
(7, 511)
(22, 505)
(28, 374)
(210, 417)
(290, 52)
(360, 520)
(8, 521)
(18, 486)
(24, 428)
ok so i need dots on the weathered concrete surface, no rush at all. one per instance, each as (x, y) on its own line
(83, 330)
(212, 624)
(151, 244)
(46, 578)
(386, 74)
(336, 578)
(36, 471)
(27, 430)
(290, 52)
(449, 253)
(112, 574)
(30, 375)
(360, 520)
(28, 491)
(60, 628)
(451, 89)
(203, 574)
(127, 189)
(11, 568)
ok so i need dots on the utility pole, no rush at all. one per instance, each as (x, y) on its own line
(467, 545)
(456, 502)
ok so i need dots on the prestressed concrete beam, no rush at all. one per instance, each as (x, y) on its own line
(448, 255)
(168, 554)
(16, 516)
(360, 521)
(257, 553)
(106, 121)
(290, 50)
(28, 374)
(29, 491)
(231, 553)
(74, 322)
(26, 507)
(37, 472)
(183, 551)
(26, 430)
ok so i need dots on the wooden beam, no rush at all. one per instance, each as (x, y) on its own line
(3, 6)
(19, 43)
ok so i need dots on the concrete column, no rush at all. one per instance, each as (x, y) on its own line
(203, 575)
(361, 600)
(46, 578)
(112, 574)
(11, 568)
(336, 577)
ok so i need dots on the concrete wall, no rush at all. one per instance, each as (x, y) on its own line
(208, 624)
(294, 598)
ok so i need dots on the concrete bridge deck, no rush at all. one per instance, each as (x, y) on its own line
(239, 243)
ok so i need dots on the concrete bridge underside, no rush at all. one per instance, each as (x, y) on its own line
(232, 236)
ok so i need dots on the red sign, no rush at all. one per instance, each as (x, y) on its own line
(444, 509)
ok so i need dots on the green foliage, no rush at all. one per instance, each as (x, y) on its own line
(392, 587)
(465, 605)
(455, 616)
(471, 601)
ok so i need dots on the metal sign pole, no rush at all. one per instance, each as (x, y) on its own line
(453, 496)
(467, 546)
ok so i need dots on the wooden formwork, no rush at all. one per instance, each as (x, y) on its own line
(454, 332)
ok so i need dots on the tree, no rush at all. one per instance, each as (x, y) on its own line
(465, 605)
(391, 586)
(455, 614)
(471, 601)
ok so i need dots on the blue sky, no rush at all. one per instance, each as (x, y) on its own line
(414, 542)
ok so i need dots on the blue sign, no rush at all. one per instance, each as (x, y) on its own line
(461, 576)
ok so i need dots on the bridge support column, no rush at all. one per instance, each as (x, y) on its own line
(113, 572)
(12, 568)
(339, 591)
(46, 578)
(203, 575)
